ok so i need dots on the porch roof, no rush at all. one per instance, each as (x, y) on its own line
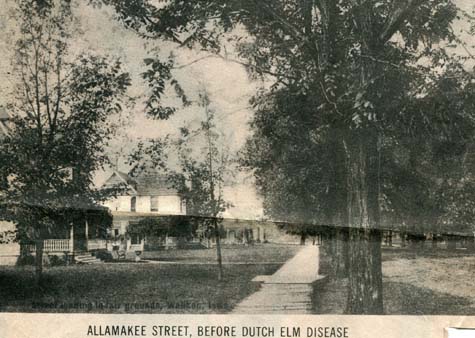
(129, 215)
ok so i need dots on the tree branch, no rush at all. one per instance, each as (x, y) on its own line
(219, 56)
(399, 16)
(296, 32)
(37, 92)
(372, 58)
(27, 92)
(58, 92)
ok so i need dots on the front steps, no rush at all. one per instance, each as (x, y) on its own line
(278, 299)
(86, 258)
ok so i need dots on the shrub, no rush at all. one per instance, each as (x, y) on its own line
(55, 260)
(25, 260)
(104, 255)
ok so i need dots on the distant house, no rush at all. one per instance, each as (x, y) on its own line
(146, 195)
(151, 195)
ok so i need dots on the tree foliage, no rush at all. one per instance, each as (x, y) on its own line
(60, 124)
(201, 173)
(174, 226)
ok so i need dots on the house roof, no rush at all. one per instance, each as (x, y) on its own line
(4, 122)
(7, 226)
(150, 185)
(4, 114)
(145, 184)
(4, 129)
(126, 178)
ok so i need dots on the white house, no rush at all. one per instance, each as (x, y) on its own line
(146, 195)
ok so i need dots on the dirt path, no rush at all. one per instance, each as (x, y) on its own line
(287, 291)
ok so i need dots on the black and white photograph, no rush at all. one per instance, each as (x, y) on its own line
(237, 157)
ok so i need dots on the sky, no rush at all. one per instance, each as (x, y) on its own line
(227, 83)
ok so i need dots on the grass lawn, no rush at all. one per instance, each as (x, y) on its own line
(150, 288)
(143, 287)
(415, 283)
(261, 253)
(395, 253)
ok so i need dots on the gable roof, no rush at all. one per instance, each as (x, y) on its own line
(118, 178)
(4, 114)
(7, 226)
(4, 122)
(4, 129)
(145, 184)
(152, 185)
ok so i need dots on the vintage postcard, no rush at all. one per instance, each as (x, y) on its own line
(237, 168)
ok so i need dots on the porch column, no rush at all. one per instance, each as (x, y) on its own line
(87, 230)
(71, 239)
(86, 233)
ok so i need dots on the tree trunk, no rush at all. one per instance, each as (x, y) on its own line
(434, 242)
(340, 255)
(332, 256)
(39, 262)
(365, 287)
(403, 239)
(471, 244)
(326, 254)
(218, 249)
(303, 238)
(337, 207)
(365, 294)
(451, 243)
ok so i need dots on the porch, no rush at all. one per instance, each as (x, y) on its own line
(61, 246)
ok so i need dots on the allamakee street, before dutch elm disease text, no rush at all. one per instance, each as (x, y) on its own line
(215, 331)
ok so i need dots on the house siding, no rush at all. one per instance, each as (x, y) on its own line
(170, 205)
(120, 203)
(167, 205)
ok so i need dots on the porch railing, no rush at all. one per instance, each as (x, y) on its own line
(50, 245)
(96, 244)
(56, 245)
(137, 247)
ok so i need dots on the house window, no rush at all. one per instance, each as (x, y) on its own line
(182, 206)
(135, 239)
(133, 204)
(154, 203)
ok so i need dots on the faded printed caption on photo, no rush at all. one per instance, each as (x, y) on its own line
(224, 331)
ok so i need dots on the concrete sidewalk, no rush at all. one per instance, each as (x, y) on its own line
(289, 290)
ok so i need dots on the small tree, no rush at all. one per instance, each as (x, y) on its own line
(201, 176)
